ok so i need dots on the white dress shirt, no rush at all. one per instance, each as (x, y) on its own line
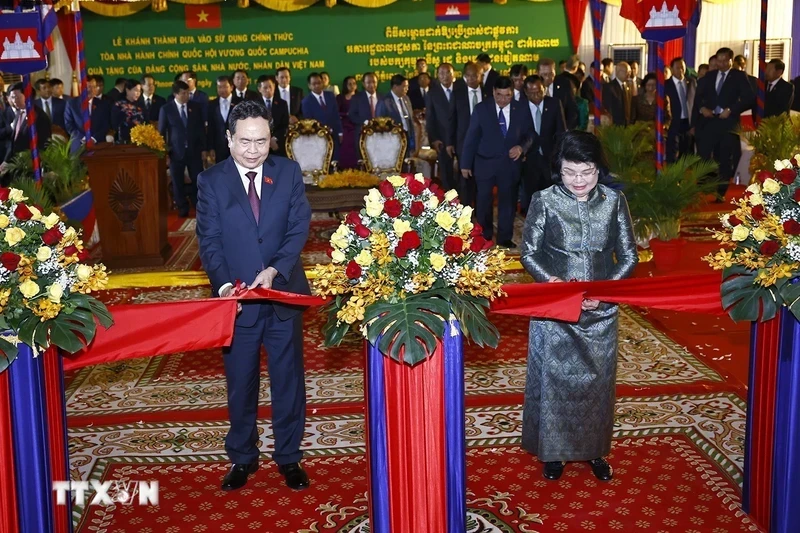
(225, 107)
(486, 75)
(446, 90)
(286, 94)
(684, 105)
(506, 114)
(517, 94)
(550, 90)
(400, 111)
(476, 93)
(47, 102)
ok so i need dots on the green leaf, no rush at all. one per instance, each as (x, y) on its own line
(100, 311)
(410, 326)
(747, 301)
(790, 294)
(8, 353)
(471, 313)
(64, 334)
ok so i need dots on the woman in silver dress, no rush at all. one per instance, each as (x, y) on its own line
(577, 229)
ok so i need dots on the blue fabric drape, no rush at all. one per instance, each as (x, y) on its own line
(379, 474)
(455, 431)
(786, 465)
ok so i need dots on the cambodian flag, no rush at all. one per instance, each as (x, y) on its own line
(49, 22)
(448, 10)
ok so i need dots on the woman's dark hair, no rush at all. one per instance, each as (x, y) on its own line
(650, 76)
(245, 110)
(344, 83)
(580, 147)
(130, 84)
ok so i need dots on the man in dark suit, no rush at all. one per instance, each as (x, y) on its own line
(189, 77)
(560, 87)
(780, 93)
(635, 79)
(617, 97)
(500, 132)
(740, 63)
(293, 96)
(218, 111)
(465, 99)
(99, 114)
(252, 223)
(53, 107)
(279, 126)
(548, 123)
(437, 124)
(117, 92)
(518, 73)
(320, 105)
(181, 124)
(680, 92)
(240, 81)
(57, 89)
(397, 106)
(15, 135)
(489, 75)
(421, 68)
(419, 94)
(365, 105)
(721, 97)
(150, 102)
(796, 102)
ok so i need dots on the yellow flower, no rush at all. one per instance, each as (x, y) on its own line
(14, 235)
(3, 222)
(46, 309)
(148, 136)
(740, 233)
(754, 188)
(35, 213)
(720, 260)
(43, 253)
(759, 234)
(419, 177)
(84, 272)
(364, 258)
(339, 237)
(337, 256)
(396, 181)
(464, 227)
(374, 209)
(771, 186)
(438, 261)
(445, 220)
(15, 195)
(433, 202)
(69, 236)
(401, 226)
(50, 220)
(450, 195)
(756, 199)
(466, 213)
(29, 288)
(55, 292)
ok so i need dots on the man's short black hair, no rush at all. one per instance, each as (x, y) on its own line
(55, 82)
(484, 58)
(120, 81)
(726, 51)
(40, 82)
(178, 86)
(780, 66)
(675, 60)
(225, 77)
(314, 75)
(503, 82)
(245, 110)
(518, 70)
(397, 79)
(534, 78)
(266, 77)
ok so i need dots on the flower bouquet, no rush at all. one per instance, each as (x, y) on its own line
(148, 136)
(405, 264)
(44, 284)
(760, 258)
(348, 178)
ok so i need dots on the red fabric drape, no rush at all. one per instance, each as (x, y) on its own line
(8, 490)
(66, 26)
(576, 12)
(57, 433)
(673, 49)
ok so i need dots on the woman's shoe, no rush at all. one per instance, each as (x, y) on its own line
(602, 470)
(553, 470)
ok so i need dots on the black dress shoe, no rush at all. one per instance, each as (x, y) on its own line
(236, 477)
(553, 470)
(602, 470)
(296, 477)
(508, 244)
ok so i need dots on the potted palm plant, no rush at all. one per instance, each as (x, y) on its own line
(657, 201)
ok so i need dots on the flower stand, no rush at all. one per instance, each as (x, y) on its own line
(771, 487)
(416, 440)
(33, 443)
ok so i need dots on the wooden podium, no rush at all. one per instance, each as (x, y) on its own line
(130, 194)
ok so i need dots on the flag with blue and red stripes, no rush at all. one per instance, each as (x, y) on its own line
(449, 10)
(49, 22)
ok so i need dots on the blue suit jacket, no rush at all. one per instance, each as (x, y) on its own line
(359, 108)
(100, 120)
(183, 141)
(484, 140)
(328, 116)
(59, 108)
(233, 247)
(390, 109)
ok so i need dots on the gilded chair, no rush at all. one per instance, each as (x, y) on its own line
(383, 147)
(310, 144)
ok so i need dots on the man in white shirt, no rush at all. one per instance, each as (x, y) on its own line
(252, 223)
(489, 76)
(218, 112)
(53, 107)
(680, 93)
(150, 102)
(397, 106)
(365, 105)
(293, 96)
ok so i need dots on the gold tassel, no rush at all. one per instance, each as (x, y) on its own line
(500, 2)
(75, 90)
(330, 3)
(243, 3)
(159, 5)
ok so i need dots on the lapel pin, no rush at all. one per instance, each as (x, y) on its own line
(267, 180)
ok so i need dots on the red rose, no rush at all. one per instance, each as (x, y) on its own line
(52, 236)
(329, 252)
(478, 242)
(417, 208)
(9, 260)
(476, 230)
(453, 245)
(83, 255)
(758, 212)
(393, 207)
(769, 247)
(733, 221)
(362, 231)
(794, 162)
(353, 218)
(415, 187)
(791, 227)
(400, 250)
(410, 240)
(786, 176)
(353, 270)
(797, 195)
(4, 193)
(386, 189)
(763, 175)
(22, 212)
(70, 250)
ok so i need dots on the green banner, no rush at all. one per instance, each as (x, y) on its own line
(343, 40)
